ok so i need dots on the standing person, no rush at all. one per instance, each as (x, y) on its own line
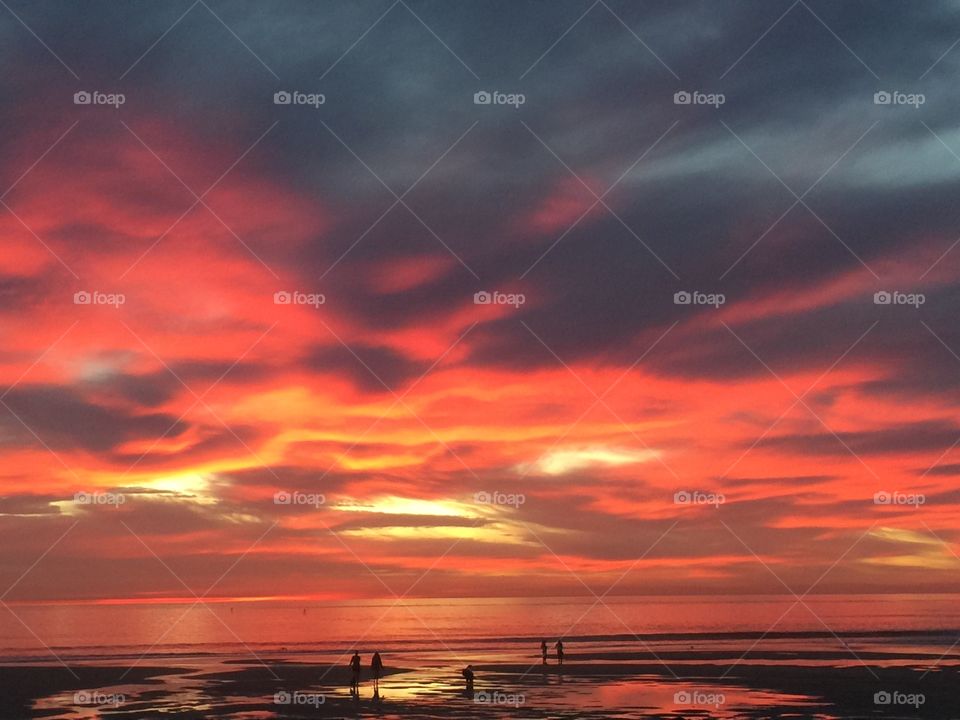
(355, 672)
(559, 652)
(376, 666)
(467, 673)
(543, 651)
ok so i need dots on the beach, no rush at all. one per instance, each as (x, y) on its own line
(802, 675)
(634, 657)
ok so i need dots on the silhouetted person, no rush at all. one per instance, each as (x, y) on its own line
(376, 667)
(467, 673)
(559, 652)
(543, 651)
(355, 672)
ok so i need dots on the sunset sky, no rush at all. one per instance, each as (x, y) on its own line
(399, 399)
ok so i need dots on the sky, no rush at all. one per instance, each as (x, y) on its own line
(390, 340)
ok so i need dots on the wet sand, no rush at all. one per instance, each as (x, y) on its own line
(842, 692)
(20, 686)
(769, 682)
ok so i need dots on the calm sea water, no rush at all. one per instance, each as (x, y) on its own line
(453, 624)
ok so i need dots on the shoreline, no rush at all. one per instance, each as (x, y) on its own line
(586, 686)
(10, 656)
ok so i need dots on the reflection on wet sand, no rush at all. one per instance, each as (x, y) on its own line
(720, 679)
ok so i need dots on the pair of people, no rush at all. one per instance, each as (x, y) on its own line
(376, 669)
(559, 648)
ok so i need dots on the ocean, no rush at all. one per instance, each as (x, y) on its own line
(829, 658)
(454, 623)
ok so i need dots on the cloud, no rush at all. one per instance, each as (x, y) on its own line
(567, 460)
(902, 439)
(64, 420)
(372, 369)
(504, 397)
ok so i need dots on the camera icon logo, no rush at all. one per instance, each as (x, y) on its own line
(482, 298)
(682, 298)
(282, 498)
(82, 297)
(882, 497)
(482, 98)
(681, 497)
(282, 98)
(882, 297)
(682, 697)
(482, 497)
(882, 98)
(82, 98)
(682, 97)
(282, 698)
(882, 698)
(282, 297)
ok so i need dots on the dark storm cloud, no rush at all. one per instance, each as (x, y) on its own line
(399, 99)
(785, 481)
(63, 419)
(599, 99)
(18, 293)
(148, 390)
(907, 357)
(947, 499)
(945, 469)
(200, 374)
(909, 437)
(185, 377)
(373, 369)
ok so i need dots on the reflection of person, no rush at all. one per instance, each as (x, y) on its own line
(559, 652)
(376, 666)
(467, 673)
(355, 672)
(543, 651)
